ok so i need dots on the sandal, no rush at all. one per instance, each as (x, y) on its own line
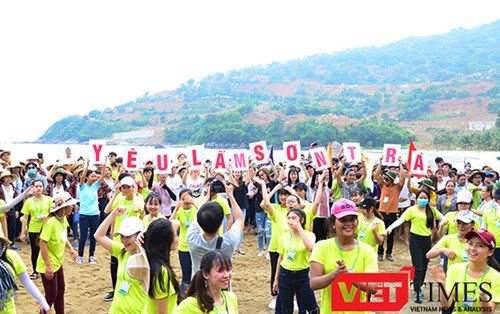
(34, 276)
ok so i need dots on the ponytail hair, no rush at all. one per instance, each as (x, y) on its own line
(198, 287)
(493, 263)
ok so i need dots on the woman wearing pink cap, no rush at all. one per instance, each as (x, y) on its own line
(341, 254)
(474, 286)
(464, 202)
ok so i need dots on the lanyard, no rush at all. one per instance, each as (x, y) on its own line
(369, 223)
(38, 210)
(461, 244)
(188, 217)
(125, 266)
(480, 280)
(291, 242)
(342, 255)
(225, 303)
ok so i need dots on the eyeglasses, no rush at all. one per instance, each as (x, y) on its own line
(291, 201)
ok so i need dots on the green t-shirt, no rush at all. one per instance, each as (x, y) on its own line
(452, 242)
(190, 305)
(146, 221)
(364, 231)
(491, 222)
(361, 259)
(54, 232)
(278, 226)
(451, 226)
(129, 296)
(19, 268)
(336, 191)
(121, 200)
(476, 196)
(34, 209)
(150, 305)
(309, 215)
(457, 274)
(294, 252)
(419, 220)
(185, 218)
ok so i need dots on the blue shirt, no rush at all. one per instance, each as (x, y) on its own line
(88, 200)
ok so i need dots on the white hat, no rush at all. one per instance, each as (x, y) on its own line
(130, 226)
(466, 216)
(127, 181)
(61, 200)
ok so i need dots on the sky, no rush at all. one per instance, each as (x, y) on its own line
(61, 58)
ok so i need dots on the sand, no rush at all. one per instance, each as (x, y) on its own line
(87, 284)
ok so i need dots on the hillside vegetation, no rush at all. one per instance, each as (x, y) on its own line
(424, 88)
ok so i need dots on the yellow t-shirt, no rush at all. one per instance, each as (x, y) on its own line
(457, 275)
(55, 234)
(129, 296)
(150, 305)
(34, 209)
(419, 220)
(364, 230)
(294, 252)
(185, 218)
(278, 226)
(491, 221)
(362, 259)
(190, 305)
(451, 226)
(19, 268)
(309, 215)
(452, 242)
(146, 221)
(121, 200)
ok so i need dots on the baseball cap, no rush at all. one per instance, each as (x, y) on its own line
(343, 207)
(466, 216)
(301, 186)
(464, 196)
(367, 202)
(484, 235)
(129, 226)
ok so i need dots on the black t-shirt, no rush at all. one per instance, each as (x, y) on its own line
(240, 195)
(258, 196)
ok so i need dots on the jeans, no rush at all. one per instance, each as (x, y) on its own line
(263, 224)
(54, 291)
(389, 218)
(292, 283)
(86, 223)
(186, 263)
(75, 220)
(419, 246)
(244, 212)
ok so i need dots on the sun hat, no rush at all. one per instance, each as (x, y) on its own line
(343, 207)
(464, 196)
(466, 216)
(7, 173)
(475, 172)
(129, 226)
(391, 174)
(180, 154)
(62, 200)
(15, 165)
(59, 171)
(367, 202)
(127, 181)
(428, 183)
(4, 152)
(484, 235)
(77, 171)
(138, 268)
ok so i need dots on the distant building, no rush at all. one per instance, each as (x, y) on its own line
(481, 125)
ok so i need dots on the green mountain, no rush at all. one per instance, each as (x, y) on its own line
(424, 88)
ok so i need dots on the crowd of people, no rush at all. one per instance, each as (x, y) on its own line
(311, 224)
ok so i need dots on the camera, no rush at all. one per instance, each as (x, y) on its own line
(217, 186)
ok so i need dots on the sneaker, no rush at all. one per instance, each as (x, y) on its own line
(272, 304)
(389, 257)
(268, 256)
(79, 260)
(418, 297)
(109, 297)
(74, 244)
(260, 253)
(240, 251)
(15, 247)
(380, 257)
(92, 260)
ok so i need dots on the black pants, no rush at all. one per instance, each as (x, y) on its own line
(419, 246)
(274, 256)
(292, 283)
(35, 249)
(113, 270)
(11, 224)
(389, 218)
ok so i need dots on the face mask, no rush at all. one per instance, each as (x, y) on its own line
(423, 202)
(32, 172)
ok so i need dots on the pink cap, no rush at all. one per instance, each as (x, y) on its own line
(464, 196)
(343, 207)
(487, 237)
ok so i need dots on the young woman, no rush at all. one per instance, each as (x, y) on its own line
(185, 212)
(453, 246)
(162, 292)
(11, 266)
(491, 221)
(166, 193)
(351, 184)
(128, 296)
(152, 206)
(371, 228)
(294, 250)
(441, 183)
(240, 181)
(447, 202)
(481, 269)
(262, 221)
(53, 240)
(464, 201)
(487, 203)
(36, 209)
(192, 180)
(341, 254)
(207, 292)
(422, 217)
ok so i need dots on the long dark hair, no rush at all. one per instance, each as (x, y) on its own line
(197, 287)
(289, 180)
(317, 173)
(428, 211)
(158, 240)
(302, 216)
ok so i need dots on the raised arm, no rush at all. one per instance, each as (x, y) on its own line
(340, 171)
(377, 175)
(239, 222)
(100, 234)
(16, 200)
(84, 173)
